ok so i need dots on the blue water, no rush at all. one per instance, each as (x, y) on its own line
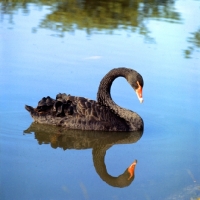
(38, 61)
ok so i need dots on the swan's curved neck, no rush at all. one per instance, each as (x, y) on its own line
(103, 95)
(122, 180)
(104, 98)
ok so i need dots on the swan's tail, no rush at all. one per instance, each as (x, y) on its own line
(29, 108)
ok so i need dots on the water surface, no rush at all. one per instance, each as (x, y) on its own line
(68, 46)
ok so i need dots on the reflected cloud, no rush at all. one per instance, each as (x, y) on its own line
(84, 190)
(98, 141)
(65, 189)
(93, 58)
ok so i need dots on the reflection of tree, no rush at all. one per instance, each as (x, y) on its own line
(194, 40)
(108, 16)
(103, 15)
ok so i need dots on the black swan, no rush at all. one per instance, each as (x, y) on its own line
(84, 114)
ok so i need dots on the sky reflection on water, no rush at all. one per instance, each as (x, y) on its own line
(41, 56)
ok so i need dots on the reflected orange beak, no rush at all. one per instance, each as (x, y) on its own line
(131, 169)
(139, 92)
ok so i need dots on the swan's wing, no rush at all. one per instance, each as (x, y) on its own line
(76, 113)
(84, 108)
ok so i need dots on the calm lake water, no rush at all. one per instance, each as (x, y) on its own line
(49, 47)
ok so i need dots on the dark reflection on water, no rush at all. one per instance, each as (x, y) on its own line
(103, 17)
(108, 16)
(194, 41)
(94, 16)
(98, 141)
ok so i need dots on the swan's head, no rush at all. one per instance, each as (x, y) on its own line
(136, 81)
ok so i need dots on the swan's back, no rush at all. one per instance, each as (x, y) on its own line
(76, 113)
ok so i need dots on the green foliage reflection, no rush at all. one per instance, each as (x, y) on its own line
(194, 41)
(103, 15)
(97, 16)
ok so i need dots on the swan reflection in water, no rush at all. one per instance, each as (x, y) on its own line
(98, 141)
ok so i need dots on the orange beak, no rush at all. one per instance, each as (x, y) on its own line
(139, 92)
(131, 169)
